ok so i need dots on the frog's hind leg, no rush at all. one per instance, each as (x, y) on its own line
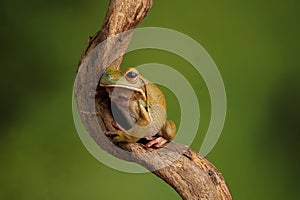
(120, 136)
(167, 133)
(169, 130)
(117, 136)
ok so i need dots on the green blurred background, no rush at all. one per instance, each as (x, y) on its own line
(255, 44)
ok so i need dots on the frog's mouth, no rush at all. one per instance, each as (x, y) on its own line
(116, 96)
(110, 89)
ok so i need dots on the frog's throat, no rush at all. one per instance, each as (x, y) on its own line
(126, 87)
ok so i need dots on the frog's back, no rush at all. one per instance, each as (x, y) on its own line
(155, 95)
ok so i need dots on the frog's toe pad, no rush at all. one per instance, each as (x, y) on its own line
(117, 136)
(157, 142)
(110, 133)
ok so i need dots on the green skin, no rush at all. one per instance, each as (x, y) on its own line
(142, 104)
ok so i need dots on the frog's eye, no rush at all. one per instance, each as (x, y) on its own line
(131, 76)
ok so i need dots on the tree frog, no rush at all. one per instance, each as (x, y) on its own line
(141, 105)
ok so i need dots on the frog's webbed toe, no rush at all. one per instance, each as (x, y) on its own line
(157, 142)
(117, 136)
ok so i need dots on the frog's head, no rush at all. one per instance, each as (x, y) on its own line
(129, 79)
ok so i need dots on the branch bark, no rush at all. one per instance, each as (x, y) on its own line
(189, 173)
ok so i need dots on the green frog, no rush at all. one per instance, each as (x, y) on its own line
(142, 106)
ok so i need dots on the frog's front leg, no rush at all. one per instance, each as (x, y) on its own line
(167, 133)
(143, 113)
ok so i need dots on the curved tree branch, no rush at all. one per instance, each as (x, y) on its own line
(190, 174)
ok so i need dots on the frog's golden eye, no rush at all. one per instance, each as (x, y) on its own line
(132, 76)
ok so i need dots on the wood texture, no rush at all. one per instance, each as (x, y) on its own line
(190, 174)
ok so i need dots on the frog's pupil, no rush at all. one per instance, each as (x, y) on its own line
(131, 75)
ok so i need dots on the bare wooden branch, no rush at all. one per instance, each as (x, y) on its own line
(190, 174)
(121, 16)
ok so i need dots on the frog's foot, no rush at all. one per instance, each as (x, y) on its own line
(157, 142)
(120, 136)
(117, 136)
(110, 133)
